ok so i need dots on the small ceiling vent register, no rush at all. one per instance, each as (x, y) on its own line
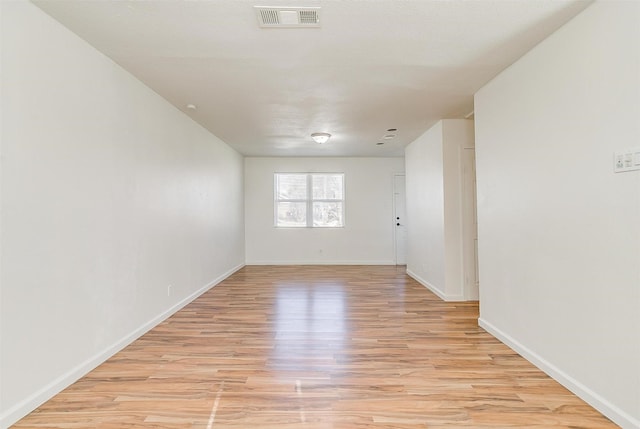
(288, 17)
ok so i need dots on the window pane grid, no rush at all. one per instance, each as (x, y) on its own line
(312, 200)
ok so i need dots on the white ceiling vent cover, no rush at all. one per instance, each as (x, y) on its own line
(288, 17)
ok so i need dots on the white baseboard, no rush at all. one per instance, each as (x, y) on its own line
(312, 262)
(614, 413)
(32, 402)
(432, 288)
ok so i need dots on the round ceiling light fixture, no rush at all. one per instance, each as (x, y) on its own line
(320, 137)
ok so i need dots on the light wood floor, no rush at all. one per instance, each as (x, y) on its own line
(317, 347)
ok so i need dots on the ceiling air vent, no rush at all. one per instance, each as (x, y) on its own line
(288, 17)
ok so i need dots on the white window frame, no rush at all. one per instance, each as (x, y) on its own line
(309, 200)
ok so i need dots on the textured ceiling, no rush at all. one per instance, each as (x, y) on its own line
(372, 65)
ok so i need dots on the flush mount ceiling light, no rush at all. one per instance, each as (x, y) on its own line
(320, 137)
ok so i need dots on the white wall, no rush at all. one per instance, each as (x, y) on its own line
(434, 207)
(425, 209)
(109, 195)
(367, 237)
(559, 232)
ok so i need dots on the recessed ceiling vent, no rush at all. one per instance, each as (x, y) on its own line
(288, 17)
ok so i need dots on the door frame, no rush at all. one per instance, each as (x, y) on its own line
(471, 281)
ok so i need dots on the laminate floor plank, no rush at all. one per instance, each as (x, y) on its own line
(317, 347)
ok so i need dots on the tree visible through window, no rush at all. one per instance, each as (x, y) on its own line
(313, 200)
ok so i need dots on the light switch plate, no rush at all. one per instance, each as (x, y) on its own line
(626, 160)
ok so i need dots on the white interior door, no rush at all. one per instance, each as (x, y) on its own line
(399, 218)
(470, 225)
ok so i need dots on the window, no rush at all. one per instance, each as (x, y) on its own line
(309, 200)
